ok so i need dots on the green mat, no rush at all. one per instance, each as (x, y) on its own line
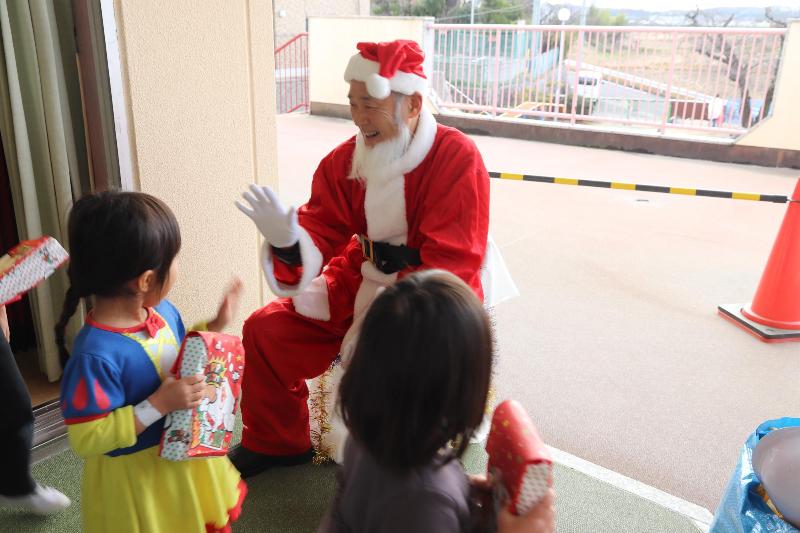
(293, 500)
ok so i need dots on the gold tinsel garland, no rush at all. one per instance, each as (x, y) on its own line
(318, 403)
(490, 397)
(318, 407)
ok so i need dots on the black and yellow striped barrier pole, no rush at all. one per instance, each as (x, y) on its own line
(643, 188)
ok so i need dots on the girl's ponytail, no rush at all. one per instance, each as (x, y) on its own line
(71, 301)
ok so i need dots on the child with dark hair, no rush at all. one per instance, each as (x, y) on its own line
(417, 381)
(117, 385)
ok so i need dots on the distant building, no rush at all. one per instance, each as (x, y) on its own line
(291, 15)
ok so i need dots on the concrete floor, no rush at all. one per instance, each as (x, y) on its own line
(615, 347)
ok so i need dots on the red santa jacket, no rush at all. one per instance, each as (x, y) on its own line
(438, 203)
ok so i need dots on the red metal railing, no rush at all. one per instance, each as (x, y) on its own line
(709, 80)
(291, 75)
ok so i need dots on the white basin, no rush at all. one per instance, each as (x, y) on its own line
(776, 462)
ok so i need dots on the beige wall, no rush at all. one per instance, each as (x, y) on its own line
(290, 15)
(332, 41)
(199, 90)
(779, 130)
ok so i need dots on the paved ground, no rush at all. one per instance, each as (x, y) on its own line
(615, 346)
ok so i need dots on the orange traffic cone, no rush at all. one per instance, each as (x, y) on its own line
(774, 315)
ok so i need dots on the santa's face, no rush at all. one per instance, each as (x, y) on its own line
(375, 118)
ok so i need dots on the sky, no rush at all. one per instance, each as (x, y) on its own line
(656, 5)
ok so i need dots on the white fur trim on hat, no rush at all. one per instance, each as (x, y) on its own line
(361, 69)
(378, 86)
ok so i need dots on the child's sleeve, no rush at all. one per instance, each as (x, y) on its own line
(93, 404)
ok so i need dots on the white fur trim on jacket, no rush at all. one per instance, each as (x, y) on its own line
(312, 264)
(498, 286)
(313, 301)
(385, 209)
(372, 283)
(385, 200)
(361, 69)
(421, 143)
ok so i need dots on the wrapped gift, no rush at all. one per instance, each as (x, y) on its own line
(518, 456)
(206, 430)
(28, 264)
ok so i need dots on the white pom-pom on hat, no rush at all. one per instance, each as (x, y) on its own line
(378, 86)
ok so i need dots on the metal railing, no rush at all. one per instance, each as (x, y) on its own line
(291, 75)
(711, 80)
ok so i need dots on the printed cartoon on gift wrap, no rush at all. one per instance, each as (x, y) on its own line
(206, 430)
(213, 426)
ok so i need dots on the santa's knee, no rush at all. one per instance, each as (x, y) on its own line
(264, 323)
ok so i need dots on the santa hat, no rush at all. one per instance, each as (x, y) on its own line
(386, 67)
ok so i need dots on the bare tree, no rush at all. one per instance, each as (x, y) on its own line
(723, 50)
(698, 17)
(773, 22)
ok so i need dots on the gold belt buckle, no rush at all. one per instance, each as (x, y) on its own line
(367, 248)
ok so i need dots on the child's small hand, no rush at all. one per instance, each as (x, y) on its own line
(540, 519)
(228, 307)
(480, 481)
(175, 394)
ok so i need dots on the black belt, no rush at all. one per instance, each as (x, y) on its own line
(388, 258)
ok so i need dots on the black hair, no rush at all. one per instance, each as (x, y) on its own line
(113, 238)
(420, 372)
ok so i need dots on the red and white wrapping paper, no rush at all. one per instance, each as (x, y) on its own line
(28, 264)
(206, 430)
(520, 456)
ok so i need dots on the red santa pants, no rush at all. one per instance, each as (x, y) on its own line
(282, 350)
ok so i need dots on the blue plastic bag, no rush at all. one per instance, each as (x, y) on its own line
(742, 509)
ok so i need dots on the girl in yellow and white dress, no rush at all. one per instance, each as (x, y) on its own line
(117, 386)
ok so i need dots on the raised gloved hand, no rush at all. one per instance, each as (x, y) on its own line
(277, 224)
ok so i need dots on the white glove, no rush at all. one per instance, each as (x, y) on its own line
(277, 224)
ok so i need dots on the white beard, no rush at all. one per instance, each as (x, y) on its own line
(378, 162)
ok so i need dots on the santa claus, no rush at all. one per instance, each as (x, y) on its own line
(403, 194)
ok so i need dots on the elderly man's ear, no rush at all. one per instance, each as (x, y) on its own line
(414, 103)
